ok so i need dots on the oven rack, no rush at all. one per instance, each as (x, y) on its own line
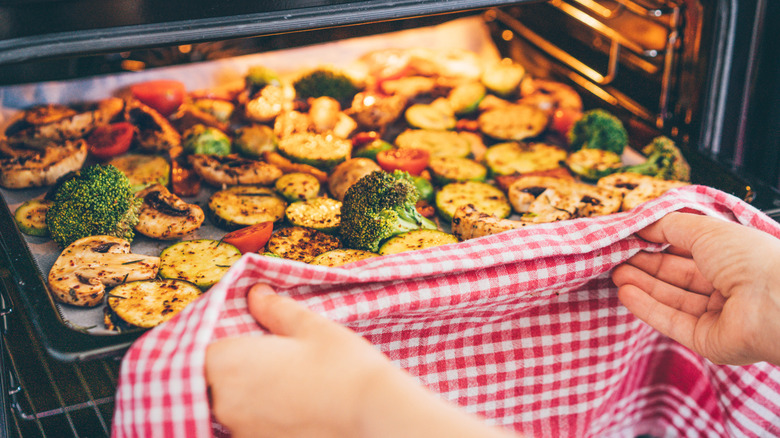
(612, 22)
(44, 397)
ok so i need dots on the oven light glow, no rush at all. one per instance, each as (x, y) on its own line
(507, 35)
(186, 48)
(369, 100)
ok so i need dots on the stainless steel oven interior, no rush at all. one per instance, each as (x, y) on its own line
(700, 71)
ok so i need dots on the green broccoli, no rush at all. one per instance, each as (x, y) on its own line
(323, 82)
(598, 129)
(379, 206)
(94, 201)
(260, 76)
(664, 160)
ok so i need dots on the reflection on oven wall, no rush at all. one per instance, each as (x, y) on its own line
(704, 72)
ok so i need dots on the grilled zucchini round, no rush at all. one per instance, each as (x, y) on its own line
(202, 262)
(149, 303)
(241, 206)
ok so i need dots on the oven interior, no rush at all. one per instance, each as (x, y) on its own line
(683, 68)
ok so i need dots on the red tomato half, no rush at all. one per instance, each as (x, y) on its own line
(563, 119)
(413, 161)
(163, 95)
(110, 140)
(363, 138)
(250, 239)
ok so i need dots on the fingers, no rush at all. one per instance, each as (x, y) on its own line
(675, 270)
(665, 293)
(674, 323)
(280, 315)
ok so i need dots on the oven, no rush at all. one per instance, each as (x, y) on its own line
(700, 71)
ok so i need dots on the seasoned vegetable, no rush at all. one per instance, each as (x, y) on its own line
(379, 206)
(250, 239)
(664, 160)
(301, 244)
(254, 140)
(348, 173)
(504, 78)
(202, 262)
(163, 95)
(598, 129)
(202, 139)
(465, 98)
(259, 76)
(297, 186)
(484, 197)
(321, 151)
(143, 170)
(240, 206)
(88, 266)
(424, 188)
(97, 200)
(445, 170)
(165, 216)
(341, 256)
(413, 161)
(149, 303)
(30, 217)
(321, 214)
(437, 143)
(107, 141)
(593, 164)
(416, 240)
(322, 82)
(512, 157)
(434, 117)
(513, 122)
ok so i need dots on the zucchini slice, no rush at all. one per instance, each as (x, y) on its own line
(445, 170)
(202, 262)
(504, 78)
(593, 164)
(301, 244)
(437, 143)
(143, 170)
(465, 98)
(30, 217)
(433, 117)
(298, 186)
(342, 256)
(483, 196)
(416, 240)
(241, 206)
(321, 151)
(512, 157)
(149, 303)
(254, 140)
(513, 122)
(322, 214)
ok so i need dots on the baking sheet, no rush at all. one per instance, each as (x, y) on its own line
(466, 33)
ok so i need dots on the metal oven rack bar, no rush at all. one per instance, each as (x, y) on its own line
(48, 398)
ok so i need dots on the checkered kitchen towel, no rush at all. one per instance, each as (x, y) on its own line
(523, 328)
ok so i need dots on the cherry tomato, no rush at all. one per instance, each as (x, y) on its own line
(363, 138)
(164, 95)
(410, 160)
(250, 239)
(108, 141)
(563, 119)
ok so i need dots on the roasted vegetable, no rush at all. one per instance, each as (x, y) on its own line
(258, 77)
(593, 164)
(322, 82)
(202, 139)
(598, 129)
(379, 206)
(97, 200)
(664, 160)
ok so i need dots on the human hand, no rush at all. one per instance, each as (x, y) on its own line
(716, 290)
(312, 377)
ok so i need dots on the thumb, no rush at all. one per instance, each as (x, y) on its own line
(278, 314)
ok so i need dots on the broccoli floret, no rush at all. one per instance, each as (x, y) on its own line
(664, 160)
(202, 139)
(379, 206)
(258, 77)
(598, 129)
(94, 201)
(323, 82)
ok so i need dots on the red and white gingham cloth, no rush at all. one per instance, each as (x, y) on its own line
(523, 328)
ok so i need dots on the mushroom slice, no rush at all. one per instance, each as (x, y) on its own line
(52, 125)
(233, 170)
(165, 216)
(86, 267)
(376, 111)
(637, 188)
(470, 223)
(545, 199)
(155, 132)
(524, 191)
(23, 168)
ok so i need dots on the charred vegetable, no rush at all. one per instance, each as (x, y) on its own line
(598, 129)
(202, 139)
